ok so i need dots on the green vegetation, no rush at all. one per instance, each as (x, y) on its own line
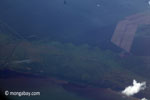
(75, 63)
(82, 63)
(64, 59)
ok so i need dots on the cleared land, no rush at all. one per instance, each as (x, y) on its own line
(125, 30)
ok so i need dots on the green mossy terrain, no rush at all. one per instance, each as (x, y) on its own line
(75, 63)
(82, 63)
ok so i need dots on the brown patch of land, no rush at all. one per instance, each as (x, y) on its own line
(125, 30)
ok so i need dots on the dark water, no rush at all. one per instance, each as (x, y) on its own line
(51, 88)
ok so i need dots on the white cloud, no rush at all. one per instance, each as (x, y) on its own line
(134, 89)
(149, 2)
(143, 99)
